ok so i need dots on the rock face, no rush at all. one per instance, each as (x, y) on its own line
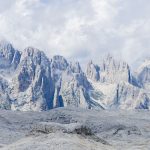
(113, 71)
(93, 71)
(33, 85)
(9, 57)
(4, 97)
(30, 81)
(117, 88)
(70, 83)
(74, 86)
(144, 74)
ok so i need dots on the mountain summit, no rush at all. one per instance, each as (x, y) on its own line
(30, 81)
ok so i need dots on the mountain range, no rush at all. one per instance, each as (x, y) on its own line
(30, 81)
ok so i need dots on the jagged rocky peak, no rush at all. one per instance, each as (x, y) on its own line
(8, 55)
(33, 65)
(144, 73)
(58, 65)
(6, 49)
(74, 67)
(33, 80)
(93, 71)
(111, 64)
(74, 89)
(59, 62)
(113, 70)
(71, 86)
(38, 84)
(35, 56)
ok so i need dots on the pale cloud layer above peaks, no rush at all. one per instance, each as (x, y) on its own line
(79, 29)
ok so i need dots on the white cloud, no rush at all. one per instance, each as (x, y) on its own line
(79, 29)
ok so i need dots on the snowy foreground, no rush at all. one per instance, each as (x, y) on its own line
(75, 129)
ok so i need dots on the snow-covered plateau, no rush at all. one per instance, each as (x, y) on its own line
(75, 129)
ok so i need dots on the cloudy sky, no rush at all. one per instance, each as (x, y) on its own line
(79, 29)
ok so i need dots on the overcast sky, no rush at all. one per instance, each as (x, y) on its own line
(79, 29)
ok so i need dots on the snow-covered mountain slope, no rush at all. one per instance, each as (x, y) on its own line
(120, 96)
(29, 80)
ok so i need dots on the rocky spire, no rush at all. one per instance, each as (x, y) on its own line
(8, 55)
(113, 70)
(144, 73)
(93, 71)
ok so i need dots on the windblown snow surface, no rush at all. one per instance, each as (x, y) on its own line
(75, 129)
